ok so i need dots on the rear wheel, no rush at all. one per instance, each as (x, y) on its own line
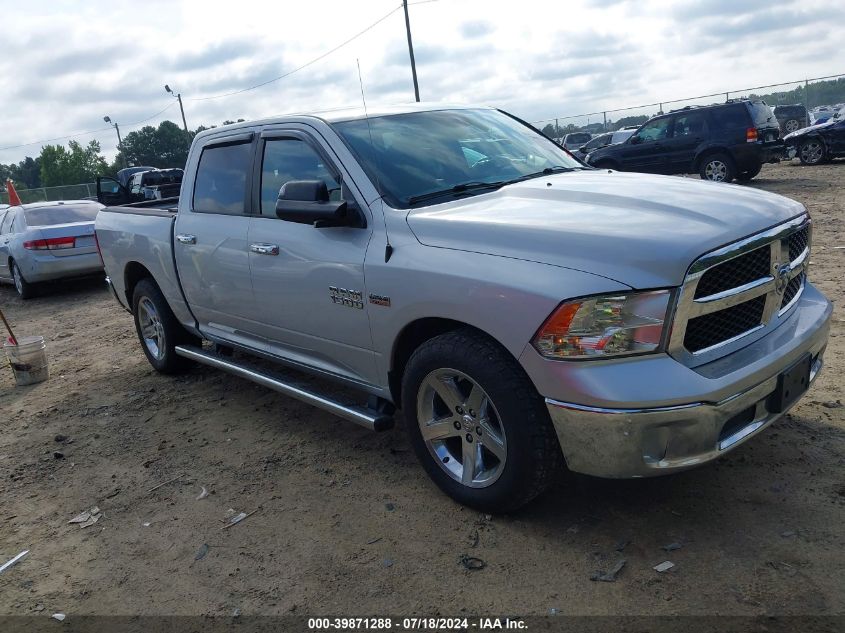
(477, 424)
(717, 167)
(811, 152)
(158, 330)
(745, 176)
(25, 289)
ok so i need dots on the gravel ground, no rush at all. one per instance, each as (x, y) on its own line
(345, 521)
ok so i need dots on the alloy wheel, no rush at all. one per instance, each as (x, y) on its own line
(812, 152)
(461, 428)
(791, 125)
(152, 330)
(716, 171)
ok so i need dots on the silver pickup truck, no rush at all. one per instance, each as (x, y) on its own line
(528, 314)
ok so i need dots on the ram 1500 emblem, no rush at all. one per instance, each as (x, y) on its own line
(380, 300)
(348, 298)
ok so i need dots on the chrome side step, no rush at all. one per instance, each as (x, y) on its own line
(364, 416)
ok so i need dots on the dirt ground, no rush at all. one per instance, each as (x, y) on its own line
(346, 522)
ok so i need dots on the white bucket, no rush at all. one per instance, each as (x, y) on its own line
(28, 360)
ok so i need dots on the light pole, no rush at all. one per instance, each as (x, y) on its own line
(178, 96)
(411, 51)
(119, 141)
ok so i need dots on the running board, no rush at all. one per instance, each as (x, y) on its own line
(366, 417)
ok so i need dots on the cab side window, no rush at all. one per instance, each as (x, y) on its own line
(655, 130)
(221, 179)
(693, 124)
(289, 159)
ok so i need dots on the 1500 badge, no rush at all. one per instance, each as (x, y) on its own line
(348, 298)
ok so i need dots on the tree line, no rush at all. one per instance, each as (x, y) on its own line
(164, 146)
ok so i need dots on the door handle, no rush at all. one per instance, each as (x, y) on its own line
(186, 239)
(264, 249)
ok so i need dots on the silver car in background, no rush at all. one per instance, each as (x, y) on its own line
(45, 241)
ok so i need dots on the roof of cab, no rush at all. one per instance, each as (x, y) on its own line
(344, 114)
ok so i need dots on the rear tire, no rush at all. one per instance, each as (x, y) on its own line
(474, 402)
(717, 167)
(745, 176)
(158, 330)
(25, 289)
(812, 152)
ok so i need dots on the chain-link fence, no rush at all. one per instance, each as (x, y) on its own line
(809, 92)
(46, 194)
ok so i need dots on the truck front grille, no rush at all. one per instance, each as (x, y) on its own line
(740, 289)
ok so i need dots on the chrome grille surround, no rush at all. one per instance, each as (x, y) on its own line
(779, 280)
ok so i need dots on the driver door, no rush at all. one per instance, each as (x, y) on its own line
(308, 281)
(646, 151)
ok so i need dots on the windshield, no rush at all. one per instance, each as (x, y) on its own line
(421, 153)
(61, 214)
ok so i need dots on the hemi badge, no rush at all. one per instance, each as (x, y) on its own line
(379, 300)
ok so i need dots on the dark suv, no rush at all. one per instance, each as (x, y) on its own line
(792, 117)
(721, 142)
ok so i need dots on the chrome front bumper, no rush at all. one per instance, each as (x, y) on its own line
(649, 436)
(622, 443)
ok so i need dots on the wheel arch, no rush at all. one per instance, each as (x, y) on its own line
(133, 273)
(708, 151)
(415, 334)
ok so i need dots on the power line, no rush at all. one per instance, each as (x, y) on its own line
(304, 66)
(75, 134)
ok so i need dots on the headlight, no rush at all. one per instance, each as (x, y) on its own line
(609, 325)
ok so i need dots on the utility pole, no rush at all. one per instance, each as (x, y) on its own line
(411, 51)
(119, 141)
(179, 98)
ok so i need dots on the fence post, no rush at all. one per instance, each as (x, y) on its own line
(807, 93)
(727, 97)
(605, 121)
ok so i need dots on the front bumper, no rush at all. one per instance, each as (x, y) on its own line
(658, 435)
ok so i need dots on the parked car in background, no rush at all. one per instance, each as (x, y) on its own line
(45, 241)
(525, 312)
(125, 174)
(791, 117)
(574, 140)
(151, 184)
(721, 142)
(603, 140)
(818, 143)
(821, 114)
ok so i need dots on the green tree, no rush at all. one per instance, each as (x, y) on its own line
(26, 173)
(72, 165)
(164, 146)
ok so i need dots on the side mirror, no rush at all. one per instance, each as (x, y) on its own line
(635, 140)
(307, 202)
(583, 149)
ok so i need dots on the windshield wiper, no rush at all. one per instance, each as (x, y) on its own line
(457, 190)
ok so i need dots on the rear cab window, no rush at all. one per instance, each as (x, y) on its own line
(221, 181)
(61, 214)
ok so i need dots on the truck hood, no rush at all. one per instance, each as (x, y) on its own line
(638, 229)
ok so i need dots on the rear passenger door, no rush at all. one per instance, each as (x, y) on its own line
(689, 130)
(210, 241)
(312, 303)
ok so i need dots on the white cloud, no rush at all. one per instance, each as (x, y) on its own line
(67, 64)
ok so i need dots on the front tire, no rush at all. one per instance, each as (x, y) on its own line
(158, 330)
(812, 152)
(25, 289)
(718, 167)
(477, 424)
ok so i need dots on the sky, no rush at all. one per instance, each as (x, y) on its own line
(65, 65)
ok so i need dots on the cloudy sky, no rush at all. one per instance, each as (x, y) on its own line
(66, 64)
